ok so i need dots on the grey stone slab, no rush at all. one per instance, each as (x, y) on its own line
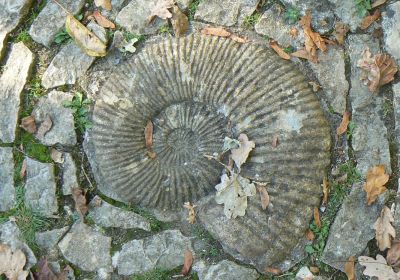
(69, 178)
(11, 235)
(7, 191)
(40, 187)
(51, 20)
(352, 229)
(183, 4)
(347, 12)
(86, 248)
(396, 105)
(224, 270)
(107, 215)
(391, 29)
(63, 128)
(331, 74)
(134, 17)
(47, 241)
(225, 12)
(369, 139)
(11, 13)
(164, 250)
(12, 83)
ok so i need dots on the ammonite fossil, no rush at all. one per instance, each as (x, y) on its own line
(196, 91)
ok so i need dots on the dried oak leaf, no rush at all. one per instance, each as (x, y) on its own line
(368, 20)
(44, 127)
(148, 134)
(282, 54)
(393, 254)
(340, 32)
(12, 263)
(56, 155)
(215, 31)
(378, 268)
(233, 192)
(317, 217)
(313, 40)
(264, 196)
(106, 4)
(241, 154)
(161, 9)
(342, 128)
(349, 268)
(102, 20)
(80, 202)
(180, 22)
(238, 39)
(192, 213)
(187, 263)
(374, 185)
(28, 123)
(384, 231)
(306, 55)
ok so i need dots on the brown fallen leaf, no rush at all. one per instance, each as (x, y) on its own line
(378, 268)
(215, 31)
(240, 154)
(44, 272)
(393, 254)
(340, 32)
(22, 173)
(325, 191)
(368, 20)
(80, 202)
(56, 156)
(84, 38)
(317, 217)
(102, 20)
(377, 3)
(306, 55)
(180, 22)
(342, 128)
(349, 268)
(312, 40)
(28, 123)
(384, 231)
(387, 66)
(264, 196)
(375, 183)
(377, 33)
(192, 213)
(12, 263)
(275, 141)
(282, 54)
(274, 270)
(105, 4)
(310, 235)
(148, 134)
(294, 32)
(161, 10)
(44, 127)
(238, 39)
(314, 269)
(187, 263)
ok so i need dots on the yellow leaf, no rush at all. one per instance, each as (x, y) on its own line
(374, 185)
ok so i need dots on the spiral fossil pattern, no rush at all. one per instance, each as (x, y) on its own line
(196, 91)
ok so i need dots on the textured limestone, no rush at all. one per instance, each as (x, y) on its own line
(51, 20)
(63, 128)
(396, 105)
(69, 178)
(47, 241)
(391, 29)
(86, 248)
(12, 83)
(40, 187)
(224, 270)
(163, 250)
(347, 11)
(7, 191)
(107, 215)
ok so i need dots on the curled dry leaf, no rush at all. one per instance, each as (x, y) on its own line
(44, 127)
(340, 32)
(192, 213)
(180, 22)
(384, 231)
(148, 134)
(375, 183)
(313, 40)
(23, 169)
(28, 123)
(325, 191)
(102, 20)
(304, 54)
(274, 270)
(317, 217)
(264, 196)
(393, 254)
(315, 86)
(238, 39)
(12, 263)
(187, 263)
(240, 154)
(342, 128)
(80, 202)
(282, 54)
(368, 20)
(275, 141)
(294, 32)
(106, 4)
(349, 268)
(84, 38)
(56, 155)
(161, 9)
(378, 268)
(215, 31)
(310, 235)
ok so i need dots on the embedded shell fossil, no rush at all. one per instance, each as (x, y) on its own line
(197, 90)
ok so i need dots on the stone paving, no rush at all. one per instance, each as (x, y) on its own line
(119, 240)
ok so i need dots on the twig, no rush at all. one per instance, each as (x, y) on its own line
(217, 160)
(86, 176)
(62, 7)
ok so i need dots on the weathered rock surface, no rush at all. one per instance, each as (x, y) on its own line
(134, 17)
(107, 215)
(225, 12)
(224, 270)
(12, 83)
(352, 229)
(304, 274)
(163, 250)
(7, 191)
(40, 187)
(86, 248)
(370, 141)
(51, 20)
(11, 235)
(63, 128)
(347, 12)
(11, 13)
(69, 178)
(183, 4)
(396, 105)
(391, 29)
(48, 240)
(335, 86)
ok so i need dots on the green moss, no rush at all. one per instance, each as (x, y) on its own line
(35, 89)
(193, 8)
(80, 110)
(129, 36)
(62, 37)
(165, 29)
(163, 274)
(33, 148)
(363, 6)
(251, 20)
(292, 15)
(23, 36)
